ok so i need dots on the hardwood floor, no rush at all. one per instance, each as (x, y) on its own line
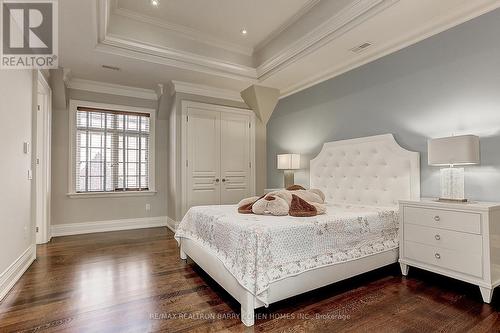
(133, 281)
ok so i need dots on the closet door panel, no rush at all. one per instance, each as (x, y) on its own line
(235, 157)
(203, 147)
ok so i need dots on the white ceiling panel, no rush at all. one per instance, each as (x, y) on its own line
(224, 19)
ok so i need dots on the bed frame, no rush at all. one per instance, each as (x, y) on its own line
(372, 171)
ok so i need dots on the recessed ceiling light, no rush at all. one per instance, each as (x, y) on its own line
(155, 3)
(244, 32)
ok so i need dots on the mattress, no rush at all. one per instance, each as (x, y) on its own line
(259, 250)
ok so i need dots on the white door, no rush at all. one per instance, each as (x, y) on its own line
(203, 157)
(235, 157)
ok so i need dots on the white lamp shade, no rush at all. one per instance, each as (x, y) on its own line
(289, 161)
(454, 150)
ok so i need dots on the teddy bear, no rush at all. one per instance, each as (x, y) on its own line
(294, 201)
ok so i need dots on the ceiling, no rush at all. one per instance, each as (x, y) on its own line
(223, 19)
(290, 45)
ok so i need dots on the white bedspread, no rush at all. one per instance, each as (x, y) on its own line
(259, 250)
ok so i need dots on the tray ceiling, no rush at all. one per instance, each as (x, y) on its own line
(291, 44)
(223, 19)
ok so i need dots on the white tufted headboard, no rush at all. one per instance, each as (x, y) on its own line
(373, 170)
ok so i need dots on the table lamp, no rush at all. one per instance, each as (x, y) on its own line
(450, 152)
(288, 162)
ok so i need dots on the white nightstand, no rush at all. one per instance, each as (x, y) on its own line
(458, 240)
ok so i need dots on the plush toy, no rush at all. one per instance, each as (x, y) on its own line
(294, 201)
(271, 204)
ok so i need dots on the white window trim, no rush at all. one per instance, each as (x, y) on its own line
(73, 104)
(111, 194)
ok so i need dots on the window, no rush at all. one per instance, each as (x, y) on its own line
(112, 149)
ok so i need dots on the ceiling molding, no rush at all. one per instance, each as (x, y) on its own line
(347, 19)
(103, 13)
(434, 27)
(199, 36)
(112, 89)
(116, 45)
(304, 10)
(185, 31)
(67, 74)
(203, 90)
(151, 53)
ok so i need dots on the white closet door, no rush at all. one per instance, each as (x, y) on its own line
(203, 147)
(235, 157)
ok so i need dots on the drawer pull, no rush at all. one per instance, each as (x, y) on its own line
(437, 218)
(437, 255)
(437, 237)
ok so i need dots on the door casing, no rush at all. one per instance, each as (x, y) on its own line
(42, 151)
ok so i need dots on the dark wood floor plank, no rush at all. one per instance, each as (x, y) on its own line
(133, 281)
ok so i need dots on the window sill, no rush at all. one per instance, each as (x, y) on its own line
(110, 194)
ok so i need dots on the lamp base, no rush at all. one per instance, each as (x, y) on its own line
(452, 184)
(289, 178)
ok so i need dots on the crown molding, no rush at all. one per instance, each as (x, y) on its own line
(67, 74)
(103, 14)
(304, 10)
(434, 27)
(347, 19)
(210, 40)
(185, 31)
(117, 45)
(203, 90)
(112, 89)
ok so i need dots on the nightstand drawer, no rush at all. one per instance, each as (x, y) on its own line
(444, 219)
(467, 263)
(448, 239)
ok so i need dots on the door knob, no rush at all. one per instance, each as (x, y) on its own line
(223, 180)
(437, 255)
(216, 180)
(437, 218)
(437, 237)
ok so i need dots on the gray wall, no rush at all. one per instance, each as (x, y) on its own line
(69, 210)
(447, 84)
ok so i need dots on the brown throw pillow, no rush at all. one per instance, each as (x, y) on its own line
(294, 188)
(301, 208)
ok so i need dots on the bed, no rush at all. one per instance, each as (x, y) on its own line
(260, 260)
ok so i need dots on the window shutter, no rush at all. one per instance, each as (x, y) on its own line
(111, 151)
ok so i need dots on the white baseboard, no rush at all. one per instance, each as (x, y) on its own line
(13, 273)
(172, 224)
(110, 225)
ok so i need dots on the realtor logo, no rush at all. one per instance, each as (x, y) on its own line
(29, 34)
